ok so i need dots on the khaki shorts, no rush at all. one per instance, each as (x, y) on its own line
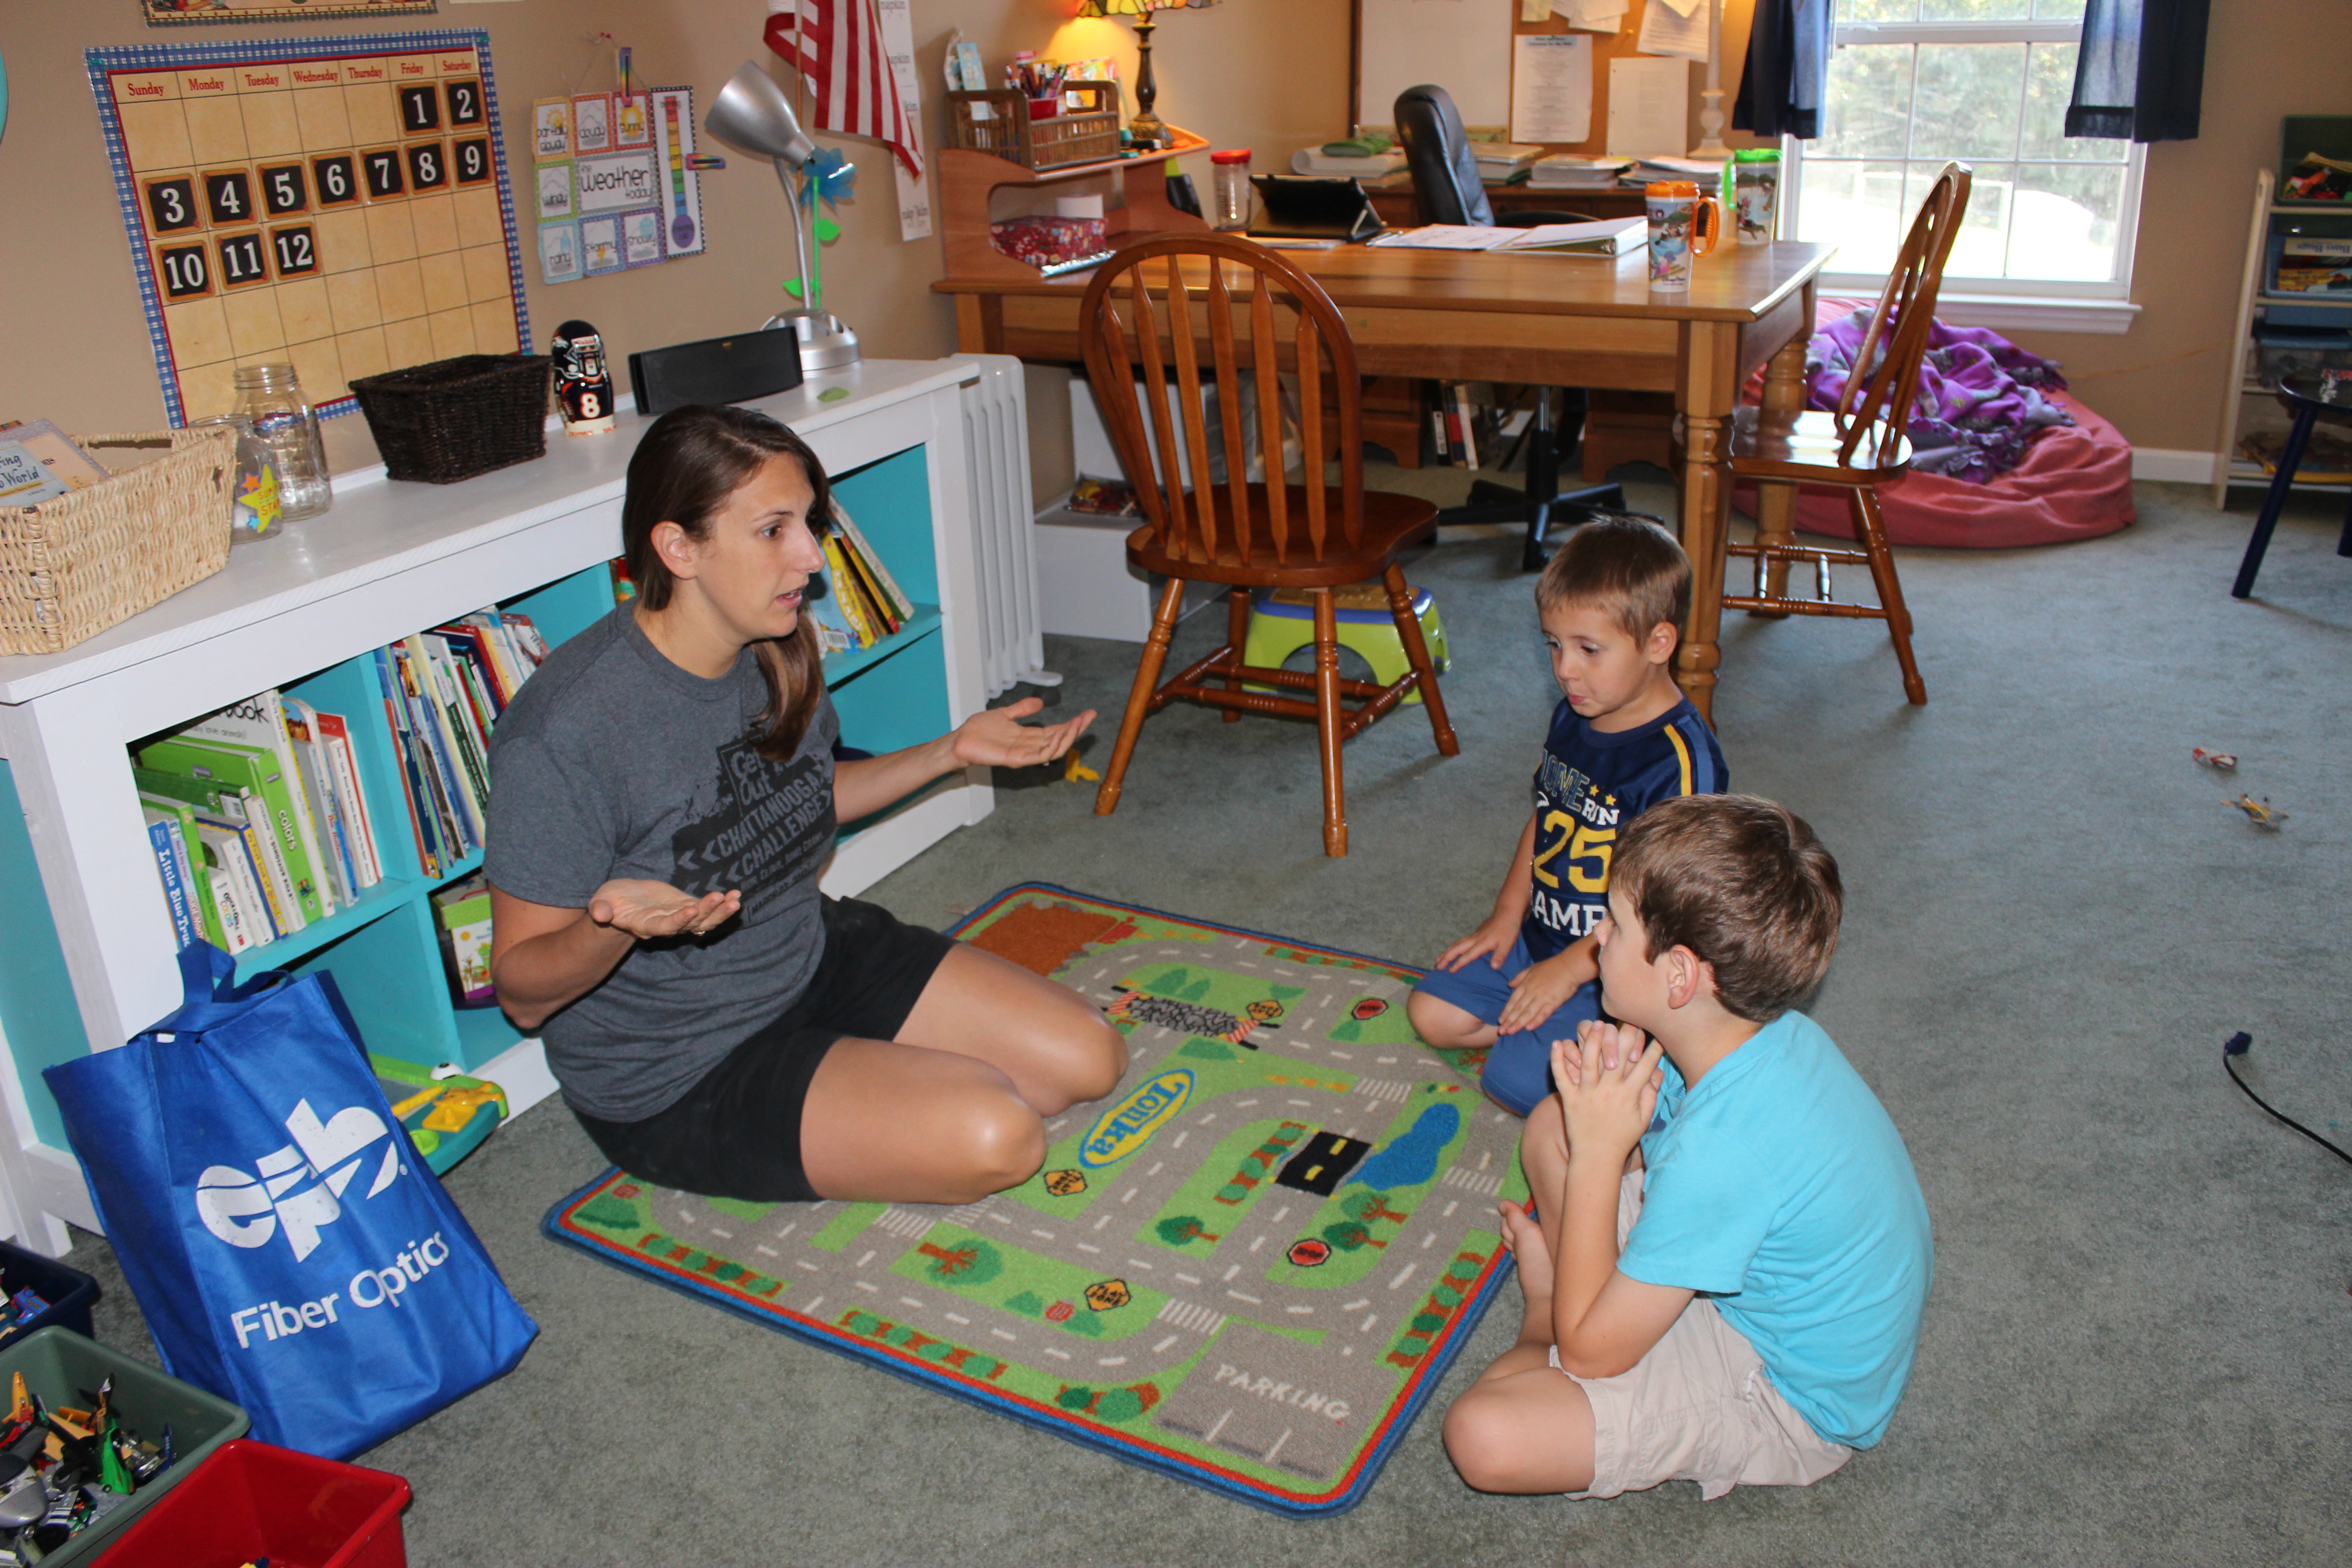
(1697, 1407)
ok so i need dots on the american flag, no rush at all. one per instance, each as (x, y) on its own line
(836, 45)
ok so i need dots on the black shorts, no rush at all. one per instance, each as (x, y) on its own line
(736, 1132)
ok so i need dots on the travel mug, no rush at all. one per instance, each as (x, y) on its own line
(1676, 212)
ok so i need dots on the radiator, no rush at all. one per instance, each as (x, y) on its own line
(996, 433)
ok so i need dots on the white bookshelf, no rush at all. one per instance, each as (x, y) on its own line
(304, 611)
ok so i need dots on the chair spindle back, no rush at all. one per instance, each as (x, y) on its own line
(1879, 393)
(1147, 317)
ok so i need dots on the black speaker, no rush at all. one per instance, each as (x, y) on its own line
(716, 369)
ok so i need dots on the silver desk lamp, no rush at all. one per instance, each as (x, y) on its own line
(752, 115)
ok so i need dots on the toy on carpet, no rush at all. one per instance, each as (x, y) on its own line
(1076, 771)
(2261, 813)
(2221, 760)
(1247, 1268)
(446, 1113)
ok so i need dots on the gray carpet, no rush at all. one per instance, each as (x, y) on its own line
(2136, 1348)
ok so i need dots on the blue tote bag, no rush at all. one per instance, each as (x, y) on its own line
(291, 1252)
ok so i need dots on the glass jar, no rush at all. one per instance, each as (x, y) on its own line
(273, 412)
(1231, 194)
(257, 497)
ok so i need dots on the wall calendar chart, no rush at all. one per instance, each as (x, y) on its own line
(341, 203)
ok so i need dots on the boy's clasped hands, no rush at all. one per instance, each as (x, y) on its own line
(1608, 1080)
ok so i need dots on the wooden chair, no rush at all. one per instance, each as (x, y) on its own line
(1217, 309)
(1859, 447)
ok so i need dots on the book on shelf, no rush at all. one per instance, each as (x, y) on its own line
(872, 560)
(258, 724)
(862, 622)
(227, 842)
(260, 780)
(823, 606)
(179, 877)
(463, 916)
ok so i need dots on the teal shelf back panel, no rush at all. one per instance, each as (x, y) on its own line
(36, 1000)
(389, 972)
(900, 701)
(569, 606)
(891, 503)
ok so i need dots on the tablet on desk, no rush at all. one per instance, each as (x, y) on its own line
(1298, 207)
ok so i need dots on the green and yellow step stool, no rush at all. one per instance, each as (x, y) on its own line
(1282, 621)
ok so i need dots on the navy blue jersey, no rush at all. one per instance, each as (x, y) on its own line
(1587, 786)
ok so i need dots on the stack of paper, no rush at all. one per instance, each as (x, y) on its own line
(1576, 172)
(1498, 161)
(1706, 172)
(1610, 237)
(1315, 160)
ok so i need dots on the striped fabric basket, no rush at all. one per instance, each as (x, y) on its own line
(71, 567)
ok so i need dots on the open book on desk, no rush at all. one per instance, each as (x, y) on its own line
(1610, 237)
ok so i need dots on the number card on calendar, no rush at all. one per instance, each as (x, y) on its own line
(341, 203)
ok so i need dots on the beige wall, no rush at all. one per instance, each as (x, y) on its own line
(2161, 383)
(1269, 74)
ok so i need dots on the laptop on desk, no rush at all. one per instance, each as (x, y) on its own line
(1300, 207)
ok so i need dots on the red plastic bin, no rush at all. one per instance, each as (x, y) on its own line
(253, 1499)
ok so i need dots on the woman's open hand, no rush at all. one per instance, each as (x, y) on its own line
(996, 738)
(648, 910)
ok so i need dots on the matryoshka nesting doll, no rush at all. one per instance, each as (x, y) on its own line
(582, 384)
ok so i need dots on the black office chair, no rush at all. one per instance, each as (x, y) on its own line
(1447, 189)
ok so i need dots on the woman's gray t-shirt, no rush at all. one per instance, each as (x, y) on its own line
(613, 761)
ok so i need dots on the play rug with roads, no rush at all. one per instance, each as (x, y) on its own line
(1248, 1266)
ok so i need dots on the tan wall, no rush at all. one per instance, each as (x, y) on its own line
(1269, 74)
(2161, 383)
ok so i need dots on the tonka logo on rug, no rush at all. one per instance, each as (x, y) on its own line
(246, 1211)
(1128, 1125)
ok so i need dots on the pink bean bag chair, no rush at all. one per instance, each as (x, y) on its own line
(2072, 484)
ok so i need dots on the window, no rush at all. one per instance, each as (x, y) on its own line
(1916, 83)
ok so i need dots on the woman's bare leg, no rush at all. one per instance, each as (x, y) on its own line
(1049, 1041)
(896, 1123)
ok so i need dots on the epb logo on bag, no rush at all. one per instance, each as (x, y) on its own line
(247, 1209)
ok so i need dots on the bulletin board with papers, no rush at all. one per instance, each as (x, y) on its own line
(1536, 71)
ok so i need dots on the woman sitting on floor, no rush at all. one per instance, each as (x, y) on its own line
(664, 796)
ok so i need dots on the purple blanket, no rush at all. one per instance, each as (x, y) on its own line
(1980, 400)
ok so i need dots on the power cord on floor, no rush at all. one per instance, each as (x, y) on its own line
(2238, 1044)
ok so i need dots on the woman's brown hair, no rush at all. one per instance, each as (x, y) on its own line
(683, 471)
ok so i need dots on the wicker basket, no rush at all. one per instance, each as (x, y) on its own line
(454, 418)
(71, 567)
(999, 123)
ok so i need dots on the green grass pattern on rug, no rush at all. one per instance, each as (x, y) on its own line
(1247, 1267)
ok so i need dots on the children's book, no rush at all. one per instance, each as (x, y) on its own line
(847, 593)
(343, 774)
(423, 821)
(302, 736)
(464, 908)
(822, 607)
(229, 849)
(260, 721)
(192, 862)
(904, 605)
(261, 779)
(172, 864)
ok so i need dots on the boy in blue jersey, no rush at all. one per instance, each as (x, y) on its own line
(1613, 602)
(1729, 1251)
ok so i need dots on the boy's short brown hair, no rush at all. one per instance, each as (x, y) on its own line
(1633, 570)
(1742, 882)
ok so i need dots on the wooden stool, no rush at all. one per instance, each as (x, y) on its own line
(2311, 398)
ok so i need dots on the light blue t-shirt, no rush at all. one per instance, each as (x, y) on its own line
(1780, 1187)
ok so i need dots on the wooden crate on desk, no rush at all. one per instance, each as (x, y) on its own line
(999, 121)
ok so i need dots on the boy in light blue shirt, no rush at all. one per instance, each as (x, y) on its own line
(1728, 1252)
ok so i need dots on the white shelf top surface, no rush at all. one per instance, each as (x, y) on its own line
(380, 528)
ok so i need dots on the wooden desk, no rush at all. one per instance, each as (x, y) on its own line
(1550, 321)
